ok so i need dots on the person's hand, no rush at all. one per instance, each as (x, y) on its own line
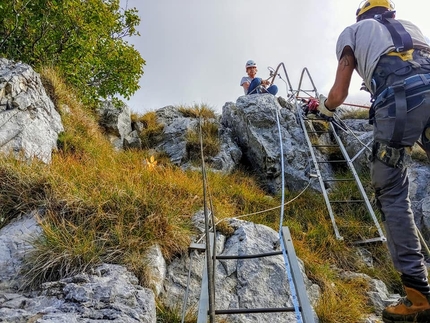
(322, 109)
(264, 82)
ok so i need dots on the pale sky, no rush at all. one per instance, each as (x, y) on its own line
(196, 50)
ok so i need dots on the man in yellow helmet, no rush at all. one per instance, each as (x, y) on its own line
(393, 58)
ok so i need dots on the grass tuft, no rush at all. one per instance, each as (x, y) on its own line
(151, 129)
(197, 111)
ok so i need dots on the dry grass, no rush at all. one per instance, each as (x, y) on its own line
(211, 144)
(98, 205)
(152, 129)
(355, 113)
(197, 111)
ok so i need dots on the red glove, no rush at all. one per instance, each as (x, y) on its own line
(313, 105)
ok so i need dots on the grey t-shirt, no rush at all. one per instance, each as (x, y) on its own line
(369, 40)
(245, 79)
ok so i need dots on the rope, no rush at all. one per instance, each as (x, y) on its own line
(268, 210)
(287, 265)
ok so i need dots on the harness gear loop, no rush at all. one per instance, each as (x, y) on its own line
(391, 156)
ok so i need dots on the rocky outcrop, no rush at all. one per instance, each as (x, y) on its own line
(251, 133)
(259, 125)
(29, 123)
(116, 122)
(107, 293)
(173, 141)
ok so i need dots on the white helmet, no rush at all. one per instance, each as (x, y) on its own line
(250, 63)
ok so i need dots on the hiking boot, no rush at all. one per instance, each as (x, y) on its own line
(415, 307)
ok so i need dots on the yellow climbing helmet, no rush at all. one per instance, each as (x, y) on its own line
(369, 4)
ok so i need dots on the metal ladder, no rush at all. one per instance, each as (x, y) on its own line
(207, 311)
(333, 126)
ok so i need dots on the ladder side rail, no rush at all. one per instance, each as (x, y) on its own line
(366, 146)
(209, 244)
(344, 127)
(203, 310)
(358, 182)
(306, 310)
(290, 87)
(320, 179)
(281, 221)
(305, 70)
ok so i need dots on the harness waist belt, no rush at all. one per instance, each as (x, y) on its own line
(409, 83)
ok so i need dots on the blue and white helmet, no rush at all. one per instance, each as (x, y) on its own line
(250, 63)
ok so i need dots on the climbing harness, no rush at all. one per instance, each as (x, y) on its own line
(394, 68)
(398, 75)
(401, 38)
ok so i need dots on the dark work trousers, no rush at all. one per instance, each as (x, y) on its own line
(392, 184)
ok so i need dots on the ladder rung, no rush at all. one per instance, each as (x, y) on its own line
(379, 239)
(331, 161)
(315, 119)
(255, 310)
(197, 246)
(348, 201)
(319, 131)
(339, 180)
(261, 255)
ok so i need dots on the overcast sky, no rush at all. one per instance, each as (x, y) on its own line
(196, 50)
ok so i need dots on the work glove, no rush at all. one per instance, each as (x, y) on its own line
(322, 109)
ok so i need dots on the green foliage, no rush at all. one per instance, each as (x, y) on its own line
(85, 40)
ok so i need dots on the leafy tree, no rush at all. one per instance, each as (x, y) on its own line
(84, 39)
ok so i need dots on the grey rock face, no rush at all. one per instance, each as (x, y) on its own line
(176, 126)
(29, 123)
(174, 141)
(254, 124)
(110, 293)
(243, 283)
(116, 121)
(14, 243)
